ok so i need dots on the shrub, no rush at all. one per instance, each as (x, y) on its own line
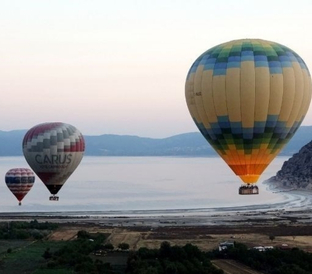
(124, 246)
(109, 246)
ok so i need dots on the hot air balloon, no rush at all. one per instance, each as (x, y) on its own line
(19, 181)
(248, 97)
(53, 151)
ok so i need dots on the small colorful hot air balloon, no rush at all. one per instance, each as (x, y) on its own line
(248, 97)
(19, 181)
(53, 151)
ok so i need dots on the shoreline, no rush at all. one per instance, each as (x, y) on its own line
(292, 207)
(295, 209)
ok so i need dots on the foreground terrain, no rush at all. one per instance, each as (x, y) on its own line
(26, 256)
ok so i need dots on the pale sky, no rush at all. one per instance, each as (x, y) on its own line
(119, 67)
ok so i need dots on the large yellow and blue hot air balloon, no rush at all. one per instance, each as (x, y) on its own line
(248, 97)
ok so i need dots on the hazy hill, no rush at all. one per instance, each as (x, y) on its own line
(301, 138)
(188, 144)
(11, 142)
(123, 145)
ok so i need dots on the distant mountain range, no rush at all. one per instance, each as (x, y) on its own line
(187, 144)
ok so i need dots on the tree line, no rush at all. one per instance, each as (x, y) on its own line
(168, 259)
(26, 230)
(273, 261)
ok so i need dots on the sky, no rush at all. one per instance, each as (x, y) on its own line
(119, 67)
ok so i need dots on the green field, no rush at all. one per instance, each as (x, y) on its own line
(12, 244)
(26, 257)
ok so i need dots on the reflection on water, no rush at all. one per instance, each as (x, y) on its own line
(141, 183)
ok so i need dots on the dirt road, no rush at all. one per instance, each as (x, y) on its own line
(232, 267)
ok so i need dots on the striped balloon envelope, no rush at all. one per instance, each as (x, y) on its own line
(248, 97)
(19, 181)
(53, 151)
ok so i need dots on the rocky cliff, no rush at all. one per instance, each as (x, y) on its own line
(296, 173)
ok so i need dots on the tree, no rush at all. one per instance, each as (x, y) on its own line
(272, 238)
(165, 249)
(47, 254)
(108, 246)
(82, 234)
(170, 268)
(123, 246)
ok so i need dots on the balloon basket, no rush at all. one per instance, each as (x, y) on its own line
(20, 203)
(248, 190)
(54, 198)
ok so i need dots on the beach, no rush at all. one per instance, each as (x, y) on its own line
(294, 207)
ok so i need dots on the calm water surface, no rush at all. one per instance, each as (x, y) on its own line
(140, 183)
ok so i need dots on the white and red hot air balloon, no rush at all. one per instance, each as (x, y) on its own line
(19, 181)
(53, 151)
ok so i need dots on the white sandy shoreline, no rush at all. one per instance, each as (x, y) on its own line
(296, 207)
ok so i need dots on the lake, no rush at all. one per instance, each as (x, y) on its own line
(141, 183)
